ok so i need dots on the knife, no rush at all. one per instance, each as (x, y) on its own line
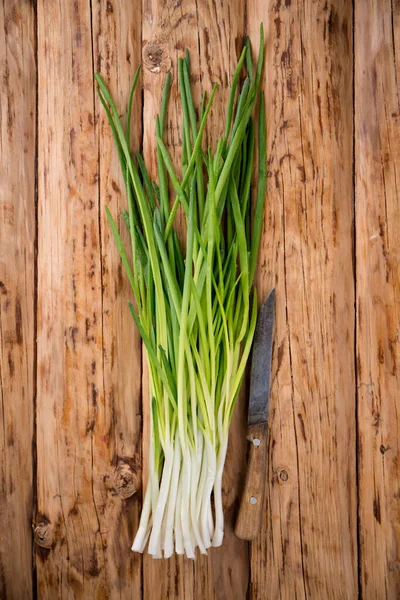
(249, 517)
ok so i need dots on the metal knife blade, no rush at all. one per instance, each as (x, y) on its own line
(260, 374)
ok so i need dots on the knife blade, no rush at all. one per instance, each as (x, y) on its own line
(249, 517)
(260, 375)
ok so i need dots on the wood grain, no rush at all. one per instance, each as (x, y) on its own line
(307, 548)
(17, 268)
(377, 175)
(70, 389)
(117, 52)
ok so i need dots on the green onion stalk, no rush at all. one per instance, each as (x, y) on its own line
(196, 308)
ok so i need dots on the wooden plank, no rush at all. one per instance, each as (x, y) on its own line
(86, 416)
(307, 547)
(377, 176)
(213, 34)
(17, 246)
(117, 52)
(166, 32)
(70, 386)
(225, 573)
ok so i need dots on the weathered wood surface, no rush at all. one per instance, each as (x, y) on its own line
(330, 526)
(17, 274)
(88, 408)
(377, 181)
(309, 542)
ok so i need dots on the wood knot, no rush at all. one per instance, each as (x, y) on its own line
(44, 535)
(126, 481)
(153, 57)
(281, 475)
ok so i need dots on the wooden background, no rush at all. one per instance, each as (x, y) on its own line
(72, 395)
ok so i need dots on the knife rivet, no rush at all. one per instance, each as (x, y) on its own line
(256, 442)
(253, 500)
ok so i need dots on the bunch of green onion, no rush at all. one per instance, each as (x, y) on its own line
(196, 309)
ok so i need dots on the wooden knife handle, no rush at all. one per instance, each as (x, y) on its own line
(249, 517)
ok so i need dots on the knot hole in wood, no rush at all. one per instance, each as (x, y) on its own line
(281, 475)
(43, 535)
(126, 481)
(153, 57)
